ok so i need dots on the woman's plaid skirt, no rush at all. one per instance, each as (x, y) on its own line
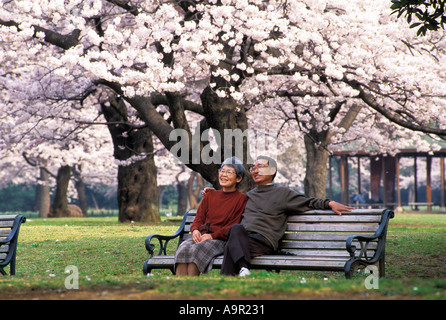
(201, 253)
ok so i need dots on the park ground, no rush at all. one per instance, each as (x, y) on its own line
(109, 256)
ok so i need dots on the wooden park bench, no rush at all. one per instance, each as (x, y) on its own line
(414, 205)
(314, 240)
(9, 234)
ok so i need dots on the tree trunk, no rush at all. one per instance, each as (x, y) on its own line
(80, 188)
(316, 169)
(60, 205)
(194, 189)
(317, 154)
(221, 114)
(137, 184)
(43, 202)
(138, 192)
(182, 205)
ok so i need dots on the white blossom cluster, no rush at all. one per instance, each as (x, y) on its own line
(291, 63)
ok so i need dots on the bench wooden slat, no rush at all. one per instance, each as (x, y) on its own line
(6, 223)
(190, 219)
(325, 253)
(316, 236)
(325, 228)
(4, 233)
(318, 245)
(356, 211)
(7, 217)
(322, 258)
(332, 227)
(346, 218)
(290, 262)
(320, 252)
(4, 248)
(303, 264)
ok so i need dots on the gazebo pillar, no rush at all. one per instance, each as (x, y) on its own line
(375, 178)
(442, 185)
(343, 173)
(398, 187)
(415, 181)
(428, 182)
(389, 181)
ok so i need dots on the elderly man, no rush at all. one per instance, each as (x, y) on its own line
(264, 219)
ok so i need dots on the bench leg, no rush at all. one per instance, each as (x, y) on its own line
(382, 267)
(348, 269)
(145, 268)
(12, 266)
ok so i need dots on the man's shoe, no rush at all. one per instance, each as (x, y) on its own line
(244, 272)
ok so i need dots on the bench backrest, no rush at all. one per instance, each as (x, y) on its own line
(320, 232)
(324, 233)
(9, 228)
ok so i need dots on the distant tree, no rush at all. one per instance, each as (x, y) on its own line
(427, 15)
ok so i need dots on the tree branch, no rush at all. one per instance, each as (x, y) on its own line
(63, 41)
(393, 116)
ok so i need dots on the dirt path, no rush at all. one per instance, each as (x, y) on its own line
(138, 294)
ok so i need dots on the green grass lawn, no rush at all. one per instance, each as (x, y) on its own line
(109, 257)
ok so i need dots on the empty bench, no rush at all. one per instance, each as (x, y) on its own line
(9, 234)
(314, 240)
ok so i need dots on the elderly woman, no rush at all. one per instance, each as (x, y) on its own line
(217, 212)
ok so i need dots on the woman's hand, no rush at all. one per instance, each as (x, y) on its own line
(196, 236)
(206, 237)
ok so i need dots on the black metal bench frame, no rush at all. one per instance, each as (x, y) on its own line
(9, 235)
(314, 240)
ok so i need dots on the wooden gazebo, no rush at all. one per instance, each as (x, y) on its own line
(385, 174)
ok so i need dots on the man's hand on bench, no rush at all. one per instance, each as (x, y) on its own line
(339, 207)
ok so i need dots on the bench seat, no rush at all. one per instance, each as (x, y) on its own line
(268, 262)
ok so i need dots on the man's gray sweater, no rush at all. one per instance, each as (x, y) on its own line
(268, 206)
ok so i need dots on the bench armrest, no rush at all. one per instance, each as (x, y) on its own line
(163, 240)
(15, 229)
(364, 241)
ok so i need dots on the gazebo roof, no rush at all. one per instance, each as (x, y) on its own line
(410, 151)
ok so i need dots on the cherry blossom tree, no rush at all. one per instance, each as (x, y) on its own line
(336, 71)
(43, 126)
(39, 148)
(362, 79)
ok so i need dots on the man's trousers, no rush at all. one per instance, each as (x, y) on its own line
(241, 247)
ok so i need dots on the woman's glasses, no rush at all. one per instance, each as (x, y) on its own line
(227, 172)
